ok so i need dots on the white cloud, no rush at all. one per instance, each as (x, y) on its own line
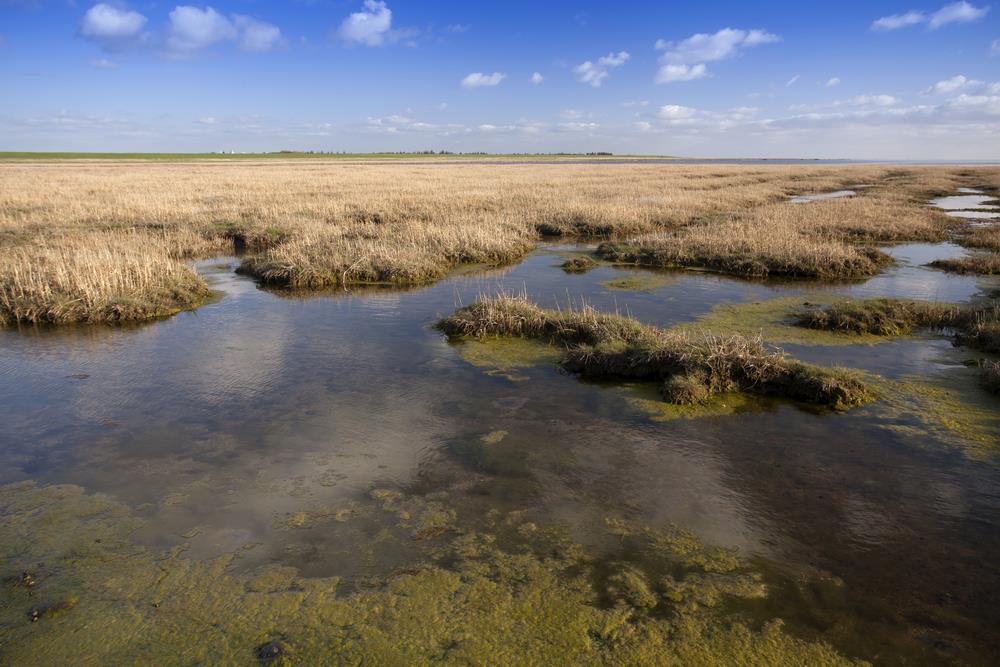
(103, 63)
(571, 114)
(478, 79)
(537, 78)
(792, 80)
(256, 35)
(370, 26)
(675, 112)
(833, 81)
(111, 27)
(995, 47)
(643, 126)
(897, 21)
(578, 127)
(685, 60)
(957, 82)
(671, 73)
(874, 101)
(595, 73)
(457, 28)
(208, 120)
(192, 29)
(957, 12)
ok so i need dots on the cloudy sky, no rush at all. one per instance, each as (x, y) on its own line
(878, 80)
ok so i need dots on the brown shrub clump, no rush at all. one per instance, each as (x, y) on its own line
(692, 367)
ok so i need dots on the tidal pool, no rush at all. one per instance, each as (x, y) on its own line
(304, 437)
(971, 205)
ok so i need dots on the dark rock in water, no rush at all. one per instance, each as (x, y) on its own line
(272, 651)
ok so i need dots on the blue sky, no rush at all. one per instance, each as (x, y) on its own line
(893, 80)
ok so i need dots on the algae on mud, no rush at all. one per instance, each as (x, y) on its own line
(513, 593)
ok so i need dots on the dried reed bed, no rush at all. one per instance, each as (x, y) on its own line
(115, 276)
(829, 239)
(315, 223)
(692, 367)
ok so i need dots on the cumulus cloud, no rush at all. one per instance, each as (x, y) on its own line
(957, 12)
(256, 35)
(685, 60)
(112, 27)
(192, 29)
(897, 21)
(957, 82)
(671, 73)
(370, 26)
(537, 78)
(595, 73)
(478, 79)
(833, 81)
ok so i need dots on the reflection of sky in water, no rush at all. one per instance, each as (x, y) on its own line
(972, 205)
(233, 418)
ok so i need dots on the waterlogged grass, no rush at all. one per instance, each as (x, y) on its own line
(692, 367)
(977, 326)
(504, 356)
(777, 322)
(980, 263)
(647, 398)
(644, 281)
(579, 264)
(512, 593)
(949, 407)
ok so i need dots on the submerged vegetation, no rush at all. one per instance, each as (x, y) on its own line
(513, 592)
(319, 223)
(692, 367)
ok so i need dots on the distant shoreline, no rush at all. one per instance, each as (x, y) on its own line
(464, 158)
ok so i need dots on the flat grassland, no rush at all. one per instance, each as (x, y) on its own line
(90, 241)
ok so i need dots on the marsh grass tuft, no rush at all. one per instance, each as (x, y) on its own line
(977, 326)
(692, 366)
(580, 264)
(105, 277)
(991, 376)
(980, 263)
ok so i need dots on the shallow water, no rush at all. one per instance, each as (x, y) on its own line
(822, 196)
(970, 205)
(261, 423)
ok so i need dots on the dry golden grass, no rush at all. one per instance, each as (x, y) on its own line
(980, 263)
(316, 223)
(116, 276)
(986, 238)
